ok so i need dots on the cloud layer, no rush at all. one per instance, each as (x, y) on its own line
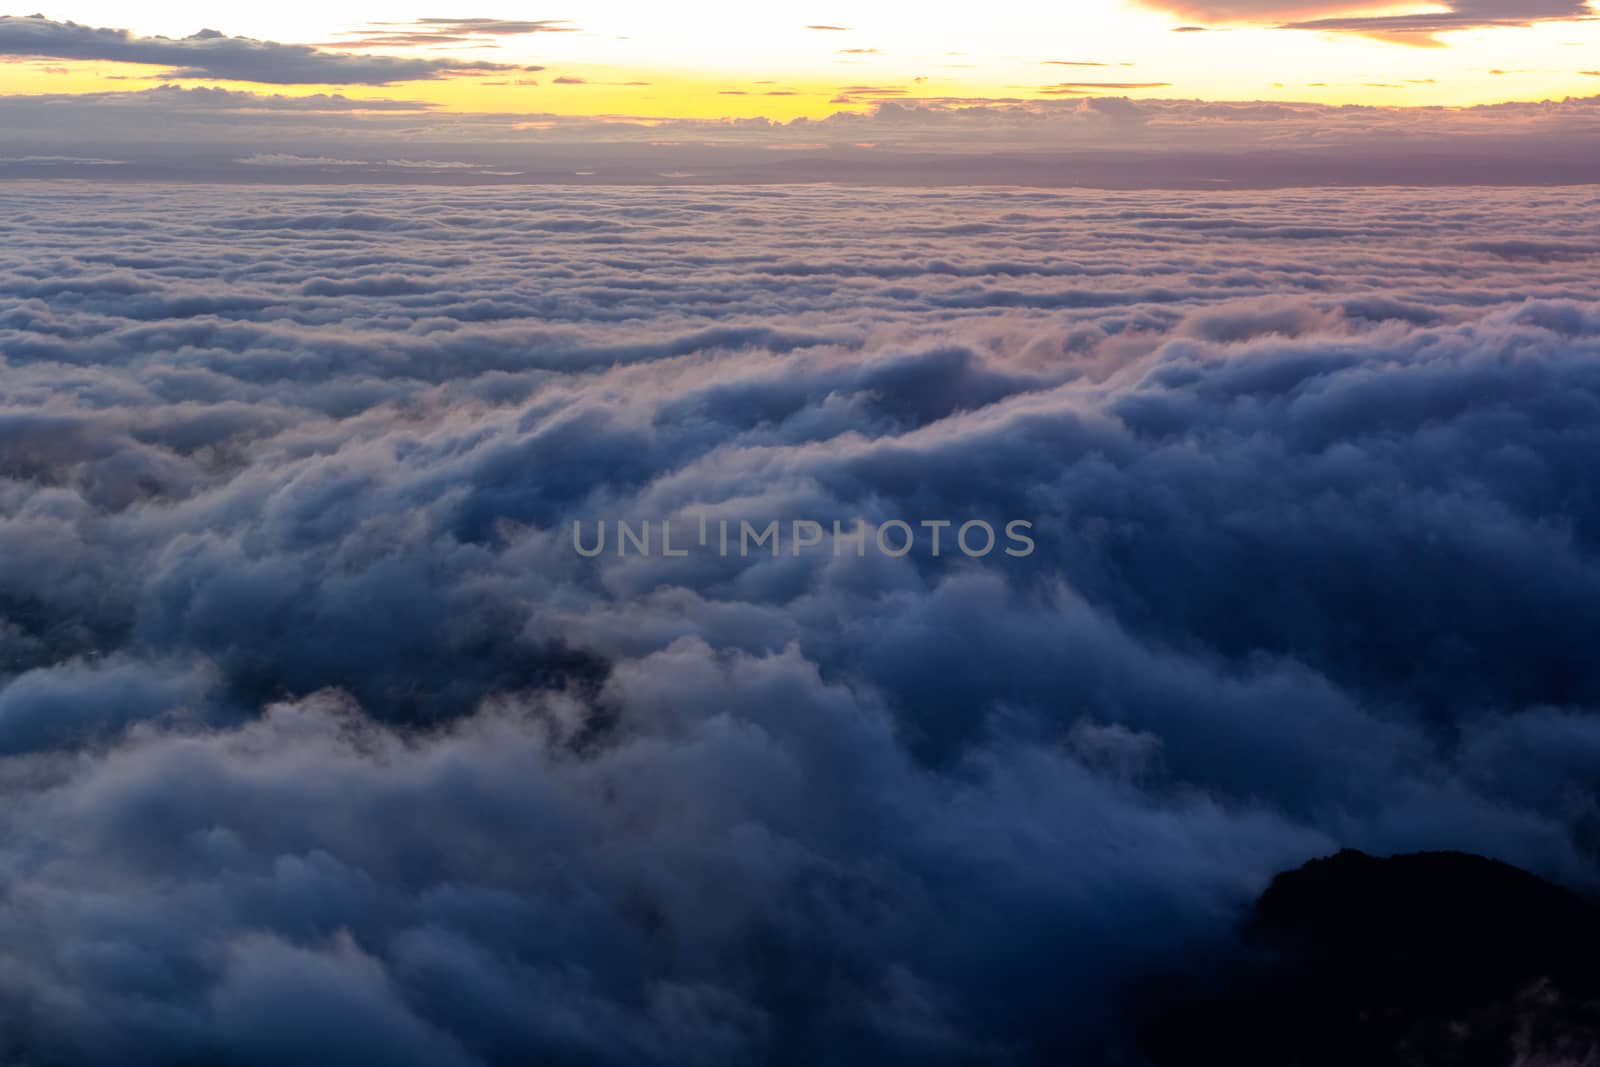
(319, 743)
(895, 138)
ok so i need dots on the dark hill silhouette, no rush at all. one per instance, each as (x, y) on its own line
(1435, 959)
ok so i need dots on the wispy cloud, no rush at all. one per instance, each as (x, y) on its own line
(499, 27)
(1424, 29)
(1090, 88)
(426, 32)
(1343, 16)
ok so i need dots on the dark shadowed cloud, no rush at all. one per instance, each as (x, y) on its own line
(210, 54)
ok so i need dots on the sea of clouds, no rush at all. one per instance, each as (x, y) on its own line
(319, 743)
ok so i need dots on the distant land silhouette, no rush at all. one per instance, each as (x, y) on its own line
(1437, 959)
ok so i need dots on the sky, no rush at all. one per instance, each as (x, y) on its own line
(721, 58)
(331, 334)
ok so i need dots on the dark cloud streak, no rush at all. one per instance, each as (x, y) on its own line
(1341, 16)
(210, 54)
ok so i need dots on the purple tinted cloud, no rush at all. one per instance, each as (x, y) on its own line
(892, 135)
(1423, 29)
(1342, 16)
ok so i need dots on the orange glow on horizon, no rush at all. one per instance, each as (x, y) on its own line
(628, 59)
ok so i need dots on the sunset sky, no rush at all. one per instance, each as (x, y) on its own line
(782, 60)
